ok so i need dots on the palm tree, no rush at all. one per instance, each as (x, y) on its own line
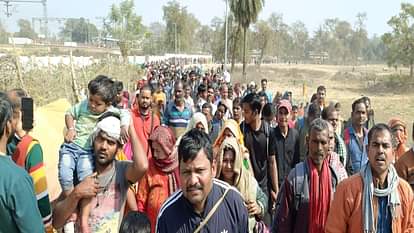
(245, 12)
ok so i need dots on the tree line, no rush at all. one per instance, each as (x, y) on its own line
(335, 41)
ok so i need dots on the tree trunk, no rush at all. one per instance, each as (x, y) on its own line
(244, 54)
(411, 69)
(233, 52)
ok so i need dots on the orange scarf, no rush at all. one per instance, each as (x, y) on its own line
(319, 196)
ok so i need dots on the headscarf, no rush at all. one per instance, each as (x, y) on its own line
(198, 117)
(391, 192)
(243, 179)
(233, 126)
(166, 139)
(401, 148)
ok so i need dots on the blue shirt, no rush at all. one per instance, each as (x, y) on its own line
(357, 153)
(177, 214)
(384, 216)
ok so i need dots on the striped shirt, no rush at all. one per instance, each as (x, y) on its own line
(177, 120)
(36, 169)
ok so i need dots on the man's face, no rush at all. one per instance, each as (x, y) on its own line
(380, 152)
(249, 115)
(224, 92)
(333, 118)
(318, 146)
(237, 112)
(264, 86)
(187, 92)
(221, 110)
(105, 149)
(294, 114)
(282, 117)
(321, 96)
(331, 138)
(210, 95)
(207, 113)
(179, 92)
(359, 115)
(144, 99)
(196, 178)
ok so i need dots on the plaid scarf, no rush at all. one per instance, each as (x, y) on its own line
(340, 148)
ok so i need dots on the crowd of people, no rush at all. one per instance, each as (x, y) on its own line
(191, 151)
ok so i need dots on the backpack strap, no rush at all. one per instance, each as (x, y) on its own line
(23, 147)
(212, 211)
(299, 190)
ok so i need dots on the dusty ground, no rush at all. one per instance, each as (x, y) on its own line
(343, 83)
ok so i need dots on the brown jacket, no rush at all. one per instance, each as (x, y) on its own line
(346, 210)
(405, 167)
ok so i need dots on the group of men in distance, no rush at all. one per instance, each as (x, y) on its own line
(192, 152)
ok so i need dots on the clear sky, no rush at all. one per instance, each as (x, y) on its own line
(311, 12)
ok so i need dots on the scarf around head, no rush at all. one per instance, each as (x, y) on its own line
(166, 139)
(319, 196)
(198, 117)
(401, 148)
(370, 191)
(233, 126)
(243, 179)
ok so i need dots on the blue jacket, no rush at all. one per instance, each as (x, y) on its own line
(177, 214)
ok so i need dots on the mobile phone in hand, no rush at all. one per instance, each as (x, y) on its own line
(27, 113)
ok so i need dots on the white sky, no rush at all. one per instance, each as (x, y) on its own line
(311, 12)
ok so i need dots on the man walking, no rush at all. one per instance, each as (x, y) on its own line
(304, 199)
(376, 199)
(19, 211)
(203, 204)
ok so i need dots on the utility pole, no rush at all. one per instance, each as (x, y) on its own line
(226, 35)
(43, 2)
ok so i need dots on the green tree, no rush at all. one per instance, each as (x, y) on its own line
(154, 39)
(299, 35)
(400, 42)
(79, 30)
(359, 38)
(204, 39)
(3, 34)
(245, 12)
(280, 40)
(263, 34)
(25, 29)
(125, 26)
(181, 28)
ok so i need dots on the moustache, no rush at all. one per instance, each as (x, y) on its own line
(194, 188)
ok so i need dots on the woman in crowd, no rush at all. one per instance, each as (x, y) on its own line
(231, 129)
(162, 178)
(400, 133)
(234, 173)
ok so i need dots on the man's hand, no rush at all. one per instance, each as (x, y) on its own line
(70, 135)
(88, 188)
(253, 208)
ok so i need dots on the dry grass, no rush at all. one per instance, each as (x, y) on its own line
(391, 93)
